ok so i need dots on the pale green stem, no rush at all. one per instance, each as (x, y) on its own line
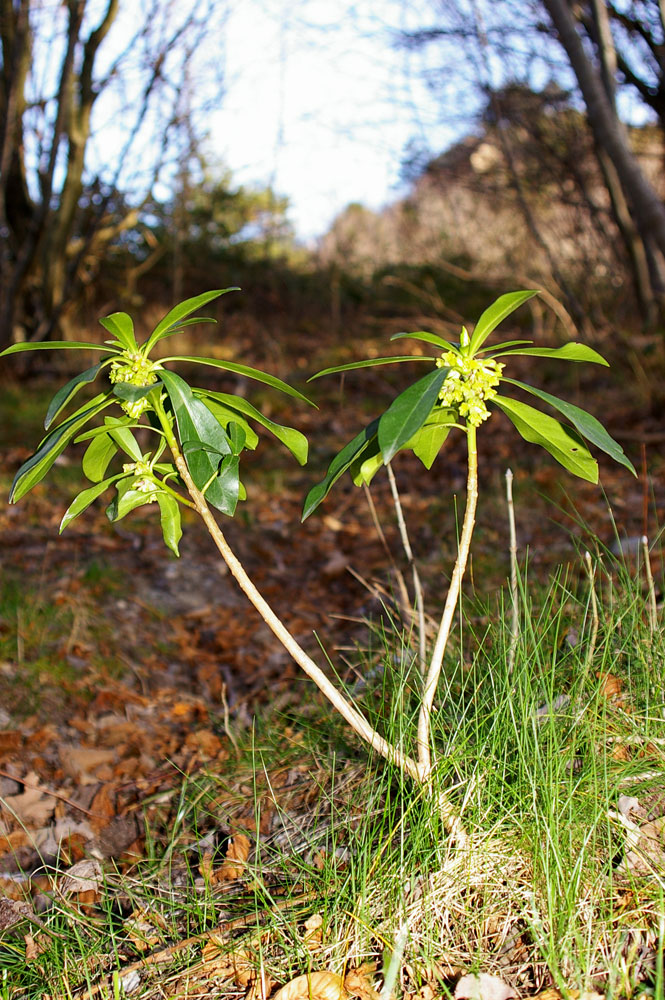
(355, 719)
(436, 662)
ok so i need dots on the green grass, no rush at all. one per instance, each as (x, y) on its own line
(535, 757)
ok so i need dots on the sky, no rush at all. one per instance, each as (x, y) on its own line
(320, 105)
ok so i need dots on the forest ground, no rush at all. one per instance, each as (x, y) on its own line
(125, 673)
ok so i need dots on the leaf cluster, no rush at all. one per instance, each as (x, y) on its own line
(163, 419)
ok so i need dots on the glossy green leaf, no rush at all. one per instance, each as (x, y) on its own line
(408, 412)
(97, 456)
(84, 499)
(228, 484)
(495, 314)
(109, 422)
(340, 463)
(173, 319)
(569, 352)
(56, 345)
(237, 436)
(563, 443)
(121, 326)
(198, 426)
(131, 393)
(225, 415)
(428, 441)
(428, 338)
(68, 391)
(125, 440)
(366, 467)
(586, 424)
(504, 343)
(128, 498)
(289, 436)
(368, 363)
(169, 516)
(247, 372)
(35, 468)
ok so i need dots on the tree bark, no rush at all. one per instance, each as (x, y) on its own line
(646, 208)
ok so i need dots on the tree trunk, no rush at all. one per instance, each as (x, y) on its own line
(646, 208)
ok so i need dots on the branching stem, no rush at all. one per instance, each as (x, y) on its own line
(436, 662)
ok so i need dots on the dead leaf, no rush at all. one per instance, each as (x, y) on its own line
(33, 807)
(610, 686)
(82, 763)
(13, 911)
(313, 986)
(483, 987)
(144, 928)
(31, 949)
(234, 863)
(84, 876)
(359, 982)
(313, 932)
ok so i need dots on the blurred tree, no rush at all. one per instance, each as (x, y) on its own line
(91, 114)
(208, 221)
(608, 54)
(638, 208)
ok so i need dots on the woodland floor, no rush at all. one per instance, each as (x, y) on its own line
(123, 669)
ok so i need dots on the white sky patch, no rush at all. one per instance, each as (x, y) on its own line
(318, 105)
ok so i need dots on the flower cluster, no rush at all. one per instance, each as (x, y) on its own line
(143, 483)
(468, 384)
(134, 369)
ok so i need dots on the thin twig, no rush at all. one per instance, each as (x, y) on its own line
(417, 586)
(47, 791)
(651, 590)
(403, 592)
(515, 621)
(591, 573)
(451, 819)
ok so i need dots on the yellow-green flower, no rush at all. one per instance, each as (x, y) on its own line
(468, 384)
(133, 368)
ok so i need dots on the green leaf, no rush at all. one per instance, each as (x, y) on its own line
(97, 456)
(69, 390)
(122, 326)
(428, 338)
(408, 412)
(225, 415)
(131, 393)
(504, 343)
(109, 422)
(563, 443)
(428, 441)
(174, 318)
(495, 314)
(237, 436)
(228, 483)
(340, 463)
(586, 424)
(367, 466)
(35, 468)
(124, 438)
(84, 499)
(129, 498)
(198, 426)
(56, 345)
(569, 352)
(169, 516)
(289, 436)
(253, 373)
(368, 363)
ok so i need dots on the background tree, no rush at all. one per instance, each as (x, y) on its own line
(70, 74)
(608, 56)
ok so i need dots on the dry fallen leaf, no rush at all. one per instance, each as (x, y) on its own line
(483, 987)
(610, 686)
(358, 982)
(234, 863)
(313, 931)
(313, 986)
(33, 807)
